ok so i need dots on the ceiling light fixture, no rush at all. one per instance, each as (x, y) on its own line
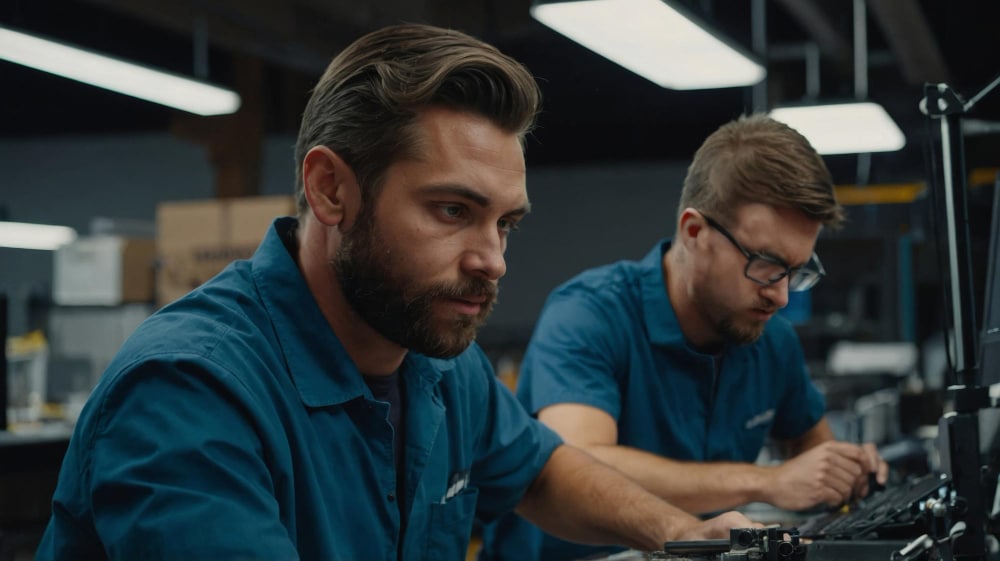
(21, 235)
(852, 127)
(653, 39)
(844, 128)
(117, 75)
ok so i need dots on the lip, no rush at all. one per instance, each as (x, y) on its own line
(763, 314)
(468, 306)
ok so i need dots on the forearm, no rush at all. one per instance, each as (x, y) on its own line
(818, 434)
(580, 499)
(694, 487)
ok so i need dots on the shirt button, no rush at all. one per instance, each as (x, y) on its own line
(391, 497)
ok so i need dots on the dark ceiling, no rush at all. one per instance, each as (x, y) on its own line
(595, 111)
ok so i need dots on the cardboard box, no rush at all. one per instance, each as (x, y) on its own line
(103, 271)
(197, 239)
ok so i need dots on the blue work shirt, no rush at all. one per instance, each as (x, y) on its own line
(609, 338)
(233, 425)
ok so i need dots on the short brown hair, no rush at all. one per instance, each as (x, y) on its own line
(366, 103)
(755, 159)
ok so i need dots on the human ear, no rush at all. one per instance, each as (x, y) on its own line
(330, 186)
(689, 225)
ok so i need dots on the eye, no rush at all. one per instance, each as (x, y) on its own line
(772, 259)
(452, 211)
(507, 225)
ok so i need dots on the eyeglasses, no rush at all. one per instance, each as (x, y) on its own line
(765, 270)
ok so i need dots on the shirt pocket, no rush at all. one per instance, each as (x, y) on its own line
(449, 526)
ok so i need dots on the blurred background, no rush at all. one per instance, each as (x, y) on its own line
(157, 196)
(605, 163)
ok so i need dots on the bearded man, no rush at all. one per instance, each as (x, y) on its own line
(324, 399)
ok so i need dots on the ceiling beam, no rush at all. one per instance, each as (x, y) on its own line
(814, 19)
(909, 35)
(304, 35)
(293, 35)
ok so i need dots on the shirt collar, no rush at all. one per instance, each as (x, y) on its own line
(658, 313)
(319, 365)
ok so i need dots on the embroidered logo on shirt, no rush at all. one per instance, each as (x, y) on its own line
(458, 481)
(759, 419)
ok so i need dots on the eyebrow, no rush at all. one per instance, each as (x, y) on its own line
(776, 257)
(471, 195)
(785, 262)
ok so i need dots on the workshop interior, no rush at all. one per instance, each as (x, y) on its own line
(116, 200)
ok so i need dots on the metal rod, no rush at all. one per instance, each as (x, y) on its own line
(860, 50)
(978, 96)
(758, 31)
(864, 169)
(812, 70)
(4, 398)
(200, 47)
(907, 300)
(950, 233)
(959, 259)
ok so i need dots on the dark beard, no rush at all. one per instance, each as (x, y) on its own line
(744, 334)
(738, 335)
(399, 308)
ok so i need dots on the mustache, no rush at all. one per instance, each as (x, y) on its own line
(766, 306)
(469, 288)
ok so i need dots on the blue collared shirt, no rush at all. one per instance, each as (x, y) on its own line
(233, 425)
(609, 338)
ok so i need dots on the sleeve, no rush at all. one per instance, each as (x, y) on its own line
(572, 356)
(177, 470)
(511, 450)
(801, 405)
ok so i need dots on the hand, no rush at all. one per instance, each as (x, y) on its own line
(874, 464)
(825, 474)
(718, 527)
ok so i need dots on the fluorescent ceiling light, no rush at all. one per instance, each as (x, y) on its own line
(22, 235)
(844, 128)
(653, 40)
(117, 75)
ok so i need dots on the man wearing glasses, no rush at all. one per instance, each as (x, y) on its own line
(674, 370)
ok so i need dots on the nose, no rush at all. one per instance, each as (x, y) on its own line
(777, 293)
(484, 258)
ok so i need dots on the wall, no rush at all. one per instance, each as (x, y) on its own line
(583, 216)
(71, 180)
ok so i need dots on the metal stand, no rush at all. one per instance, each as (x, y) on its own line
(959, 430)
(3, 362)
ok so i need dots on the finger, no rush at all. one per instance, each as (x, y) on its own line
(839, 474)
(833, 498)
(878, 466)
(871, 457)
(837, 486)
(845, 491)
(882, 475)
(861, 486)
(846, 449)
(741, 521)
(841, 479)
(850, 466)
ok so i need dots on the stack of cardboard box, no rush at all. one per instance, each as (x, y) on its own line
(197, 239)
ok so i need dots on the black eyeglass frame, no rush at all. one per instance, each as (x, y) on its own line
(795, 282)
